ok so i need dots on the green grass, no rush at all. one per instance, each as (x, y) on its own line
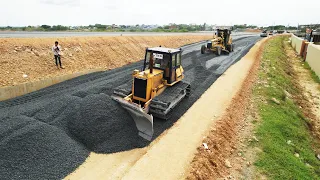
(312, 73)
(282, 123)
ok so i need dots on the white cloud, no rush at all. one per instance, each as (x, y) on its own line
(84, 12)
(61, 2)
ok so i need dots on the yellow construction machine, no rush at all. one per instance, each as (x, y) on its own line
(222, 42)
(155, 90)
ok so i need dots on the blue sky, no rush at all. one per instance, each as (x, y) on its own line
(85, 12)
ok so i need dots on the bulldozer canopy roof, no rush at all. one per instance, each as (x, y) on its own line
(163, 49)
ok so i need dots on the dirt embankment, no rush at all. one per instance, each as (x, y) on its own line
(30, 59)
(253, 30)
(224, 140)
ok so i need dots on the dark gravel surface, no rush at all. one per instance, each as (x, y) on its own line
(48, 133)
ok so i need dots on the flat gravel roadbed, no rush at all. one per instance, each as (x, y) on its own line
(47, 134)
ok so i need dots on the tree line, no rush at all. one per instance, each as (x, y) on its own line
(140, 28)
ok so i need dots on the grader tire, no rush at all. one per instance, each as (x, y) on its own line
(218, 52)
(229, 47)
(203, 49)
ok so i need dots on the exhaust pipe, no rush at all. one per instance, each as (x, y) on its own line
(151, 63)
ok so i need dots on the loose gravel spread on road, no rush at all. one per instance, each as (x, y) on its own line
(48, 133)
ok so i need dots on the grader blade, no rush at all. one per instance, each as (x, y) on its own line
(143, 121)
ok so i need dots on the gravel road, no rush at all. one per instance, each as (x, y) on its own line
(48, 133)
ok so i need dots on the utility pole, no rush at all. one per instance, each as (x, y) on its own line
(273, 26)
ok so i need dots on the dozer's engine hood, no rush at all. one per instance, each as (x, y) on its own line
(144, 82)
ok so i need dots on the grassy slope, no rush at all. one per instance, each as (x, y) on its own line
(284, 122)
(313, 74)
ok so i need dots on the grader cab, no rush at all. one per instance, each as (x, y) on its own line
(222, 42)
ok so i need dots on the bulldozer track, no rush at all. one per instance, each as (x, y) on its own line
(162, 104)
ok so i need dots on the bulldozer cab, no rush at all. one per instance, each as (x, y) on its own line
(165, 59)
(224, 34)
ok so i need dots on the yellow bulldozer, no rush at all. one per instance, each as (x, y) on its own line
(155, 90)
(221, 42)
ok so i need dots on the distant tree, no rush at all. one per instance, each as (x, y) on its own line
(100, 26)
(252, 26)
(291, 27)
(239, 26)
(183, 30)
(279, 27)
(46, 27)
(59, 28)
(181, 26)
(166, 27)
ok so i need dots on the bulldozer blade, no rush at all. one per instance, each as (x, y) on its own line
(143, 121)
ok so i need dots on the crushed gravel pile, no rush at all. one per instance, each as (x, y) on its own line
(106, 122)
(49, 133)
(31, 149)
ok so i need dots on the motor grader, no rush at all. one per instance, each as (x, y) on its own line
(222, 42)
(155, 90)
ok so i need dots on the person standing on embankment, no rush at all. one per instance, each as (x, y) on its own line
(57, 54)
